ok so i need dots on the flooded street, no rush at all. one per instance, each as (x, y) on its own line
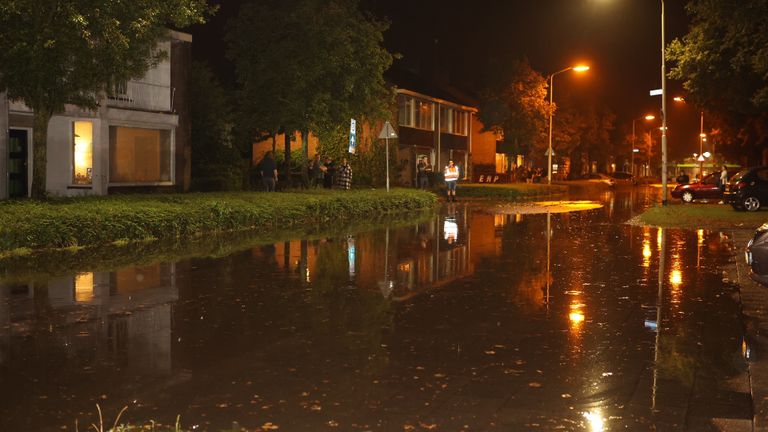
(475, 319)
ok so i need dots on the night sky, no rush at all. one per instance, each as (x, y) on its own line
(471, 44)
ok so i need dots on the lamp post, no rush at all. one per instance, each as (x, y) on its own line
(663, 113)
(579, 68)
(702, 138)
(648, 117)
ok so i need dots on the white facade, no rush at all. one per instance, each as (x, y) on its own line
(129, 141)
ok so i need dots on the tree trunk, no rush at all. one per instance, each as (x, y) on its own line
(287, 161)
(305, 153)
(40, 152)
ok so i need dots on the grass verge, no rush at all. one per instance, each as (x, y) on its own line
(94, 221)
(700, 216)
(510, 191)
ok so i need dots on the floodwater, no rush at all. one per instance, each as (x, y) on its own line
(486, 317)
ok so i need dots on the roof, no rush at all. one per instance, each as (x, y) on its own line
(408, 80)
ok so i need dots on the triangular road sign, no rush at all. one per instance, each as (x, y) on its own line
(387, 131)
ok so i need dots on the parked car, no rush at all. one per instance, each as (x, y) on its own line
(707, 188)
(602, 178)
(748, 190)
(757, 255)
(622, 177)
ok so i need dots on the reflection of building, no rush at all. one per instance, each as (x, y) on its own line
(122, 316)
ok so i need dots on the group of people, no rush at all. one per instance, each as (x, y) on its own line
(451, 174)
(327, 173)
(320, 173)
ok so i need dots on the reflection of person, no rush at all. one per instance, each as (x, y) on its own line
(723, 178)
(344, 175)
(268, 170)
(451, 175)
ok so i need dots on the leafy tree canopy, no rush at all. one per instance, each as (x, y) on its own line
(58, 52)
(519, 110)
(723, 60)
(308, 64)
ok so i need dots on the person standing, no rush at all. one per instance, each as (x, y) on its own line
(421, 174)
(316, 171)
(329, 170)
(723, 178)
(344, 175)
(268, 170)
(451, 175)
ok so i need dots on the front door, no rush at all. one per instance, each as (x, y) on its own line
(18, 156)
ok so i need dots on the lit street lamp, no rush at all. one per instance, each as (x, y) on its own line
(579, 68)
(648, 117)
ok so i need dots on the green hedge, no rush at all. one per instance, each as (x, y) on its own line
(82, 222)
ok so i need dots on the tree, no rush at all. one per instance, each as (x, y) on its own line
(54, 53)
(308, 65)
(723, 63)
(519, 110)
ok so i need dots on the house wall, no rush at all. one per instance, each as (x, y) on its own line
(483, 150)
(3, 146)
(158, 100)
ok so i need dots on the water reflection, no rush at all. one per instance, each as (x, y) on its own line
(476, 317)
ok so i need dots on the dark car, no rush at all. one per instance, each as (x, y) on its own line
(622, 177)
(748, 190)
(707, 188)
(757, 255)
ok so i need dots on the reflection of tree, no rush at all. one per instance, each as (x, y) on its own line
(344, 320)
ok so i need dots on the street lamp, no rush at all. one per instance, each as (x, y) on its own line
(578, 68)
(648, 117)
(702, 138)
(663, 113)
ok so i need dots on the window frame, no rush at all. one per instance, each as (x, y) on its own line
(71, 182)
(168, 128)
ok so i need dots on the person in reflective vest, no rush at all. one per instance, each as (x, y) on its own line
(451, 175)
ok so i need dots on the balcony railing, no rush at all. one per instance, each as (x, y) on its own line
(140, 95)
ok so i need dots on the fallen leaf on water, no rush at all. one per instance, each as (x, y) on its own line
(316, 408)
(333, 423)
(428, 426)
(269, 426)
(534, 384)
(565, 395)
(490, 352)
(407, 427)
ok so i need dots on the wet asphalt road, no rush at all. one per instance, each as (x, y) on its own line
(474, 320)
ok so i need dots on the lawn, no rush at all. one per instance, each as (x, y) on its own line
(93, 221)
(701, 216)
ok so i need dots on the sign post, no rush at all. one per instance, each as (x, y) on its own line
(352, 136)
(386, 133)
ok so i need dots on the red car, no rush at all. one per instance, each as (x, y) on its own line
(708, 188)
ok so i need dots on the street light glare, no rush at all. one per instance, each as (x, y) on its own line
(650, 117)
(678, 99)
(581, 68)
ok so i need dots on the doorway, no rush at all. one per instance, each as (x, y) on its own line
(18, 163)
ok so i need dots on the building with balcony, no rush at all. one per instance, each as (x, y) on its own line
(137, 139)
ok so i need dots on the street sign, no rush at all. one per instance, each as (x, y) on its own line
(656, 92)
(352, 136)
(387, 131)
(546, 153)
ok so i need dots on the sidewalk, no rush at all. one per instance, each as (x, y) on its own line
(754, 300)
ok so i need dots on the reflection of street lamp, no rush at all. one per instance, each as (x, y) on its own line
(579, 68)
(648, 117)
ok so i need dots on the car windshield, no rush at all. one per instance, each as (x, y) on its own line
(737, 177)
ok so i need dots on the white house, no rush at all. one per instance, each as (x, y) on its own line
(138, 138)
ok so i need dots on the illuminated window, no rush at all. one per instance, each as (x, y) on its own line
(84, 287)
(82, 153)
(502, 162)
(415, 113)
(453, 121)
(139, 155)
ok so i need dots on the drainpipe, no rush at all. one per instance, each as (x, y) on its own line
(469, 165)
(437, 131)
